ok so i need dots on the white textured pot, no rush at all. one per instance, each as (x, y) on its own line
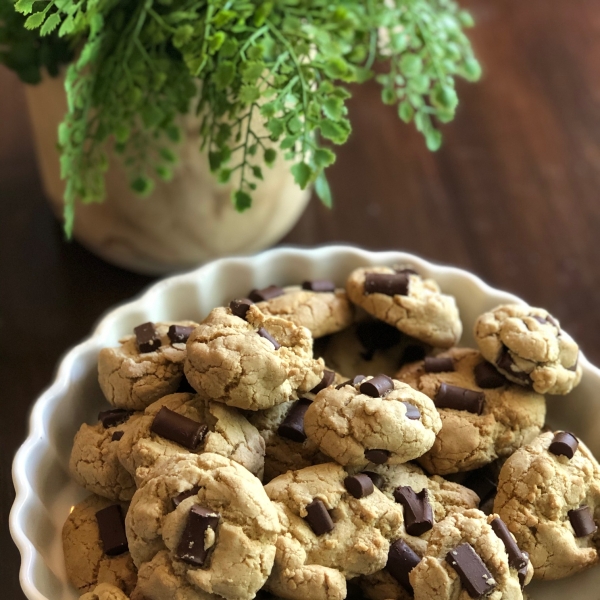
(184, 222)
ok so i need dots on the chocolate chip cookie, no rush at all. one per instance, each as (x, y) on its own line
(410, 303)
(95, 546)
(251, 361)
(333, 528)
(145, 366)
(374, 419)
(317, 305)
(549, 496)
(483, 415)
(201, 523)
(528, 346)
(184, 423)
(94, 462)
(469, 555)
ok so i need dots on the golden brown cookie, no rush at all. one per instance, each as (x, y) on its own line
(86, 562)
(322, 313)
(408, 302)
(202, 524)
(355, 428)
(224, 431)
(528, 346)
(253, 362)
(144, 367)
(480, 423)
(328, 535)
(551, 503)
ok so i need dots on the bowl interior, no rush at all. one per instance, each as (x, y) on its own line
(45, 492)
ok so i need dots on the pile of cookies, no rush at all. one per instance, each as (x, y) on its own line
(314, 443)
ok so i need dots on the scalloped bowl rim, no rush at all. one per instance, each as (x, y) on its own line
(42, 408)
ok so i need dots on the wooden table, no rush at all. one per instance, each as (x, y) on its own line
(513, 196)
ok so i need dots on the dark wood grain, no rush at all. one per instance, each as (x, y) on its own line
(513, 196)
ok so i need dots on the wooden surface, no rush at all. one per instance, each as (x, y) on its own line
(514, 195)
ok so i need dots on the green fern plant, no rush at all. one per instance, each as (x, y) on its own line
(266, 77)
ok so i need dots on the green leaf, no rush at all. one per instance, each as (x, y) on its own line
(270, 156)
(336, 132)
(323, 157)
(388, 96)
(51, 24)
(276, 128)
(215, 159)
(406, 111)
(224, 74)
(433, 139)
(323, 190)
(411, 64)
(67, 27)
(445, 97)
(224, 175)
(35, 20)
(242, 201)
(333, 108)
(168, 155)
(25, 7)
(252, 71)
(249, 94)
(142, 185)
(302, 174)
(257, 172)
(164, 173)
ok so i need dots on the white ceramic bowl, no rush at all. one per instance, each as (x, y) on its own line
(45, 492)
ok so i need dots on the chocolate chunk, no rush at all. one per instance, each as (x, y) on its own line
(506, 363)
(265, 334)
(185, 387)
(483, 482)
(177, 500)
(111, 526)
(418, 514)
(116, 436)
(564, 444)
(292, 427)
(378, 386)
(318, 517)
(327, 379)
(192, 548)
(354, 381)
(522, 572)
(179, 334)
(240, 307)
(474, 575)
(266, 293)
(377, 457)
(574, 367)
(376, 335)
(487, 376)
(359, 485)
(412, 412)
(390, 284)
(178, 429)
(319, 285)
(113, 417)
(515, 556)
(438, 364)
(451, 396)
(402, 559)
(582, 521)
(147, 337)
(376, 478)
